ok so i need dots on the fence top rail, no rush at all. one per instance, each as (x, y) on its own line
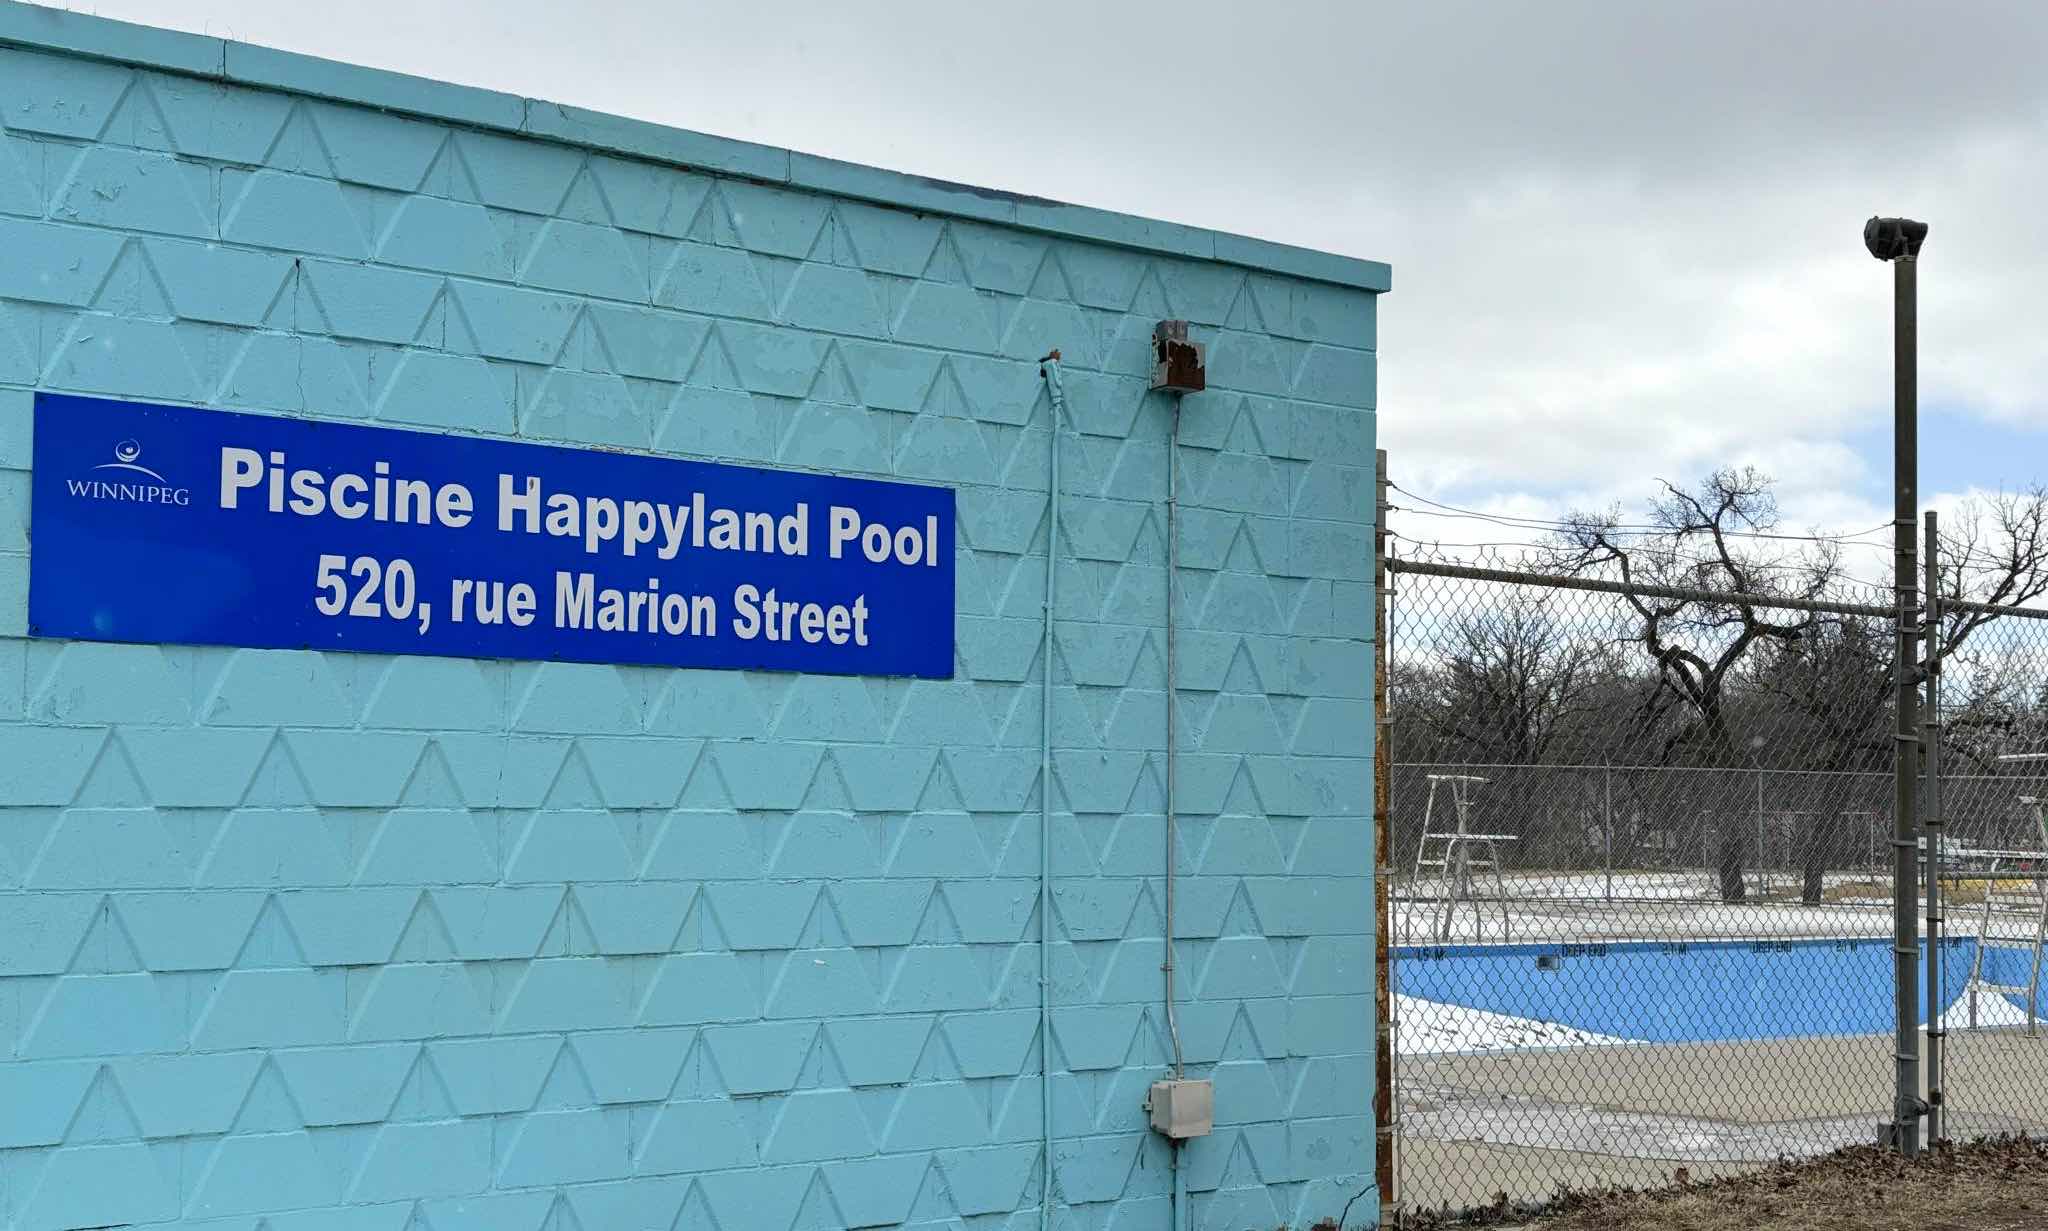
(1430, 568)
(1624, 767)
(1956, 604)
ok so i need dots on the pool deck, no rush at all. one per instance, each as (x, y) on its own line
(1574, 907)
(1550, 921)
(1524, 1122)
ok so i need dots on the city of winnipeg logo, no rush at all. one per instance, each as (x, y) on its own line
(126, 478)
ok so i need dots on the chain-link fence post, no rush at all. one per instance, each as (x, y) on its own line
(1937, 1033)
(1763, 863)
(1607, 830)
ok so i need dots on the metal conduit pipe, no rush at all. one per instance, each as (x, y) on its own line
(1172, 730)
(1049, 369)
(1180, 1190)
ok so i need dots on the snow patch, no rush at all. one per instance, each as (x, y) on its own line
(1994, 1008)
(1431, 1027)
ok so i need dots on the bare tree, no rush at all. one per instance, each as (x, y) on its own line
(1702, 539)
(1825, 700)
(1514, 684)
(1993, 550)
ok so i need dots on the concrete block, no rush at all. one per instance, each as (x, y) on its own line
(647, 343)
(136, 190)
(562, 845)
(105, 1015)
(1337, 375)
(579, 993)
(632, 1066)
(274, 1009)
(58, 96)
(101, 1186)
(444, 1158)
(368, 302)
(635, 919)
(494, 1076)
(575, 698)
(834, 299)
(774, 361)
(823, 983)
(646, 197)
(43, 1098)
(693, 988)
(566, 1147)
(584, 409)
(694, 1136)
(112, 848)
(602, 262)
(992, 1044)
(778, 221)
(274, 848)
(876, 1192)
(713, 281)
(430, 1000)
(347, 1085)
(376, 147)
(347, 927)
(290, 213)
(255, 1172)
(990, 1179)
(450, 237)
(957, 318)
(460, 392)
(510, 1211)
(816, 1125)
(496, 923)
(187, 931)
(186, 1095)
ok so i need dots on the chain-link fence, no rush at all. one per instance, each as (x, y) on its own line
(1985, 806)
(1643, 896)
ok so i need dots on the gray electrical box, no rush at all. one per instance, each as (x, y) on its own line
(1183, 1108)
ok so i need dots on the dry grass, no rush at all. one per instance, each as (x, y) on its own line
(1862, 891)
(1984, 1186)
(1971, 892)
(1957, 893)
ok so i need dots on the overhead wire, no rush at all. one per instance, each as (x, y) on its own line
(1753, 566)
(1440, 509)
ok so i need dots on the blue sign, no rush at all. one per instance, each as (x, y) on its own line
(167, 524)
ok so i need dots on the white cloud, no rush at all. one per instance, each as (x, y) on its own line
(1625, 238)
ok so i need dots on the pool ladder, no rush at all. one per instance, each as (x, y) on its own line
(2036, 898)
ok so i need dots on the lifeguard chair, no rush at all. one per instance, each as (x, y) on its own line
(1455, 853)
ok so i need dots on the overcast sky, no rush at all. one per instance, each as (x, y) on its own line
(1625, 237)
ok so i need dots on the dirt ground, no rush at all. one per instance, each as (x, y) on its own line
(1984, 1186)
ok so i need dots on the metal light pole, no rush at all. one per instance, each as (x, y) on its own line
(1898, 240)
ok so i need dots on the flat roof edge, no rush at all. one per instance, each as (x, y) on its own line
(38, 28)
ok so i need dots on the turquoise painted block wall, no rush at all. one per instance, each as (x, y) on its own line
(307, 941)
